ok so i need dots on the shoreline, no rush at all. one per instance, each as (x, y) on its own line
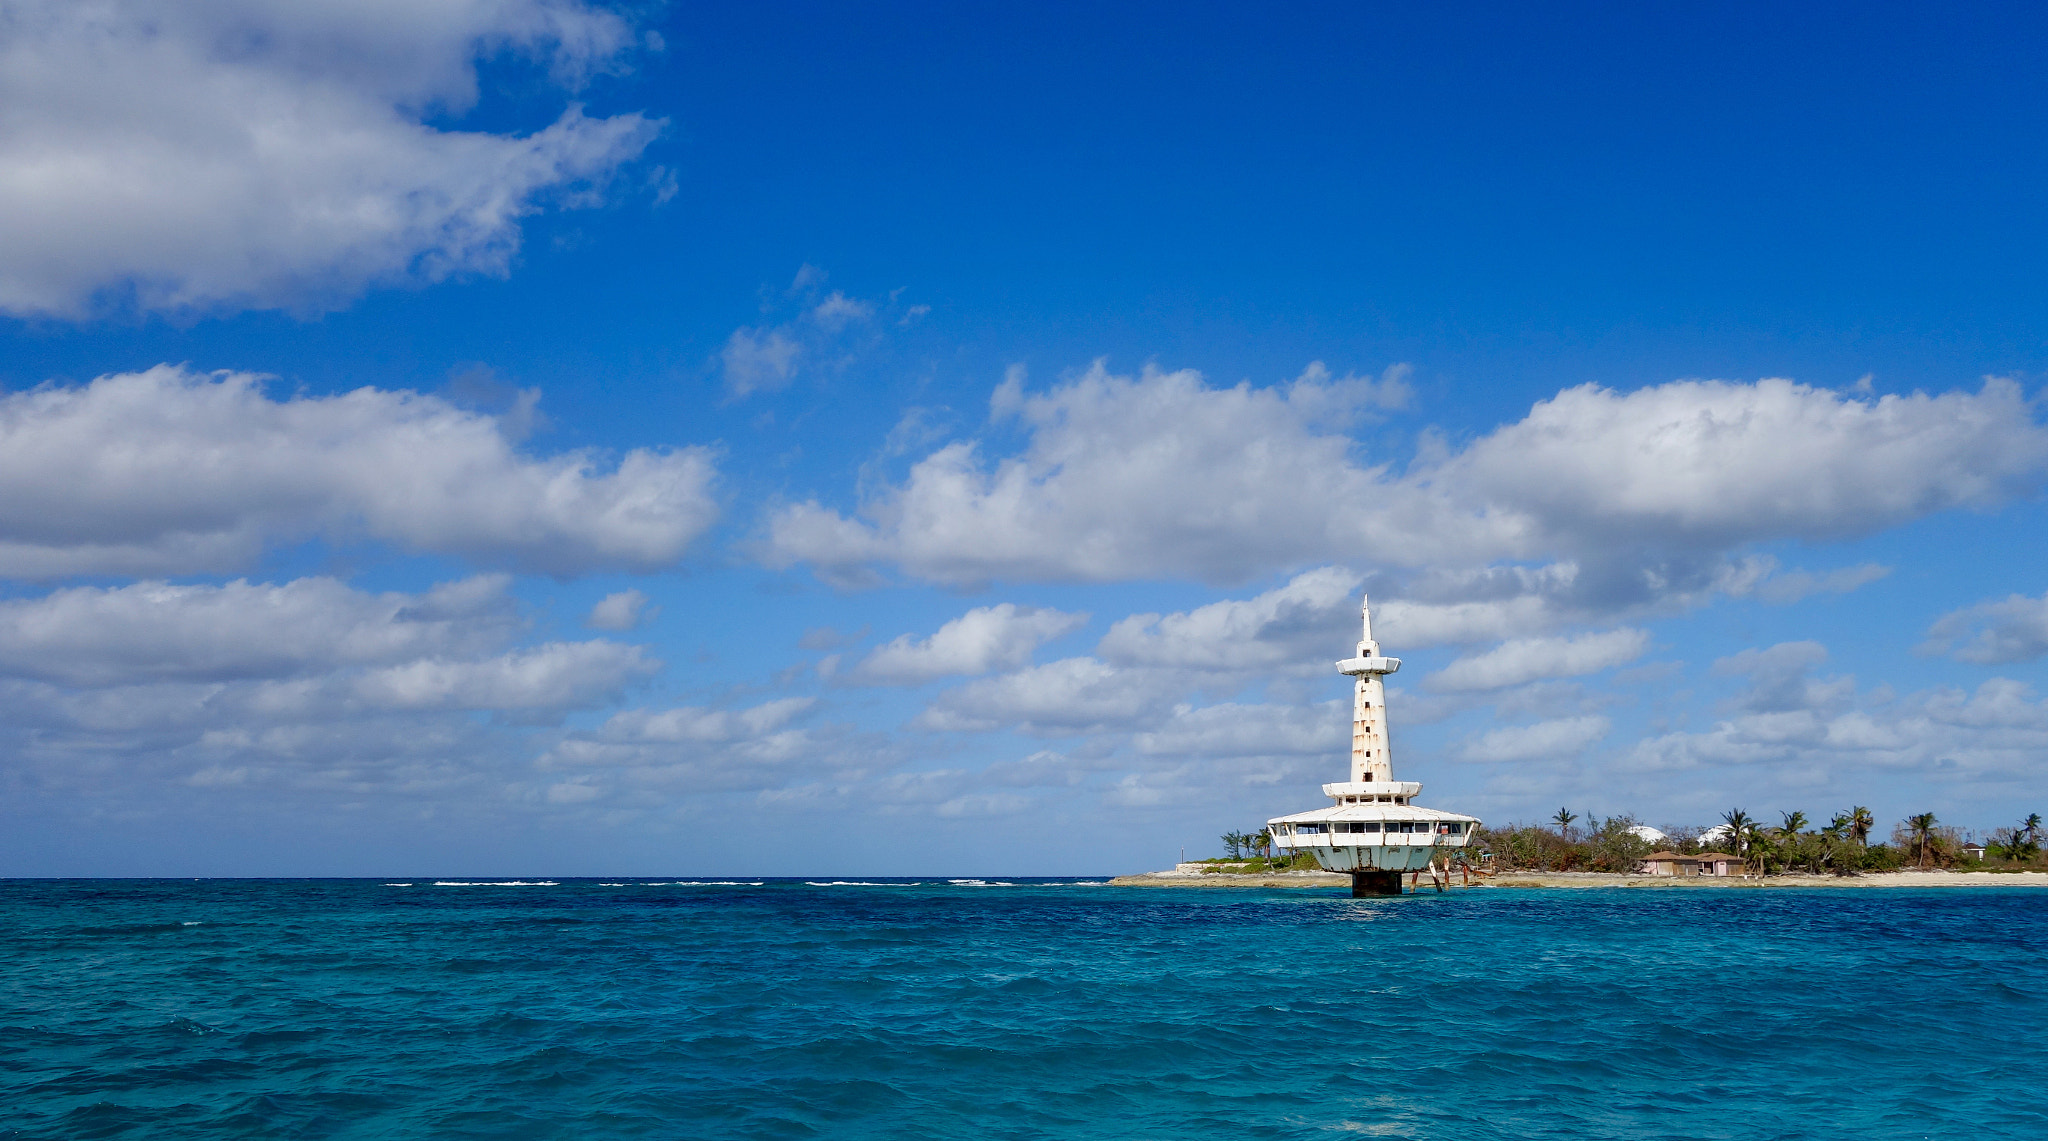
(1570, 880)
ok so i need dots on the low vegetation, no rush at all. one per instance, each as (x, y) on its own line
(1251, 853)
(1602, 846)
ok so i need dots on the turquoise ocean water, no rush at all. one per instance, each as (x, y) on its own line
(937, 1009)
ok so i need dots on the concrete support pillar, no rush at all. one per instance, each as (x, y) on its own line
(1366, 885)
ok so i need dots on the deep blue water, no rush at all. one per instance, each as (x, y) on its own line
(222, 1009)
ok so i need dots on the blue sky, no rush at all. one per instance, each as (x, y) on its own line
(543, 437)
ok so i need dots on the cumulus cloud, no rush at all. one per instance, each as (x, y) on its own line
(1634, 498)
(2013, 629)
(1069, 696)
(155, 631)
(1563, 737)
(982, 640)
(1713, 464)
(1975, 740)
(1779, 679)
(169, 471)
(313, 642)
(1523, 660)
(1131, 477)
(255, 153)
(1233, 729)
(540, 681)
(308, 685)
(705, 749)
(624, 610)
(1313, 617)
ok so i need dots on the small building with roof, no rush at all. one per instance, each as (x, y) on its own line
(1701, 864)
(1720, 864)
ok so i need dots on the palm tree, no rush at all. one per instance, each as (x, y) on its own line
(2012, 844)
(1563, 820)
(2032, 827)
(1922, 828)
(1758, 848)
(1233, 844)
(1827, 851)
(1739, 824)
(1794, 822)
(1860, 824)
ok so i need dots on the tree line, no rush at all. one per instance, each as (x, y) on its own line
(1842, 846)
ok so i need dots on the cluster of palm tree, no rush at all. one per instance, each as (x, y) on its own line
(1842, 846)
(2020, 844)
(1242, 844)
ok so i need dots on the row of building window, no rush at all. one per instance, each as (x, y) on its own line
(1441, 828)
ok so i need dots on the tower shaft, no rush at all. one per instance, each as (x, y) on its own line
(1371, 750)
(1370, 757)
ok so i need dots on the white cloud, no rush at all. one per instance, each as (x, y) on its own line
(1791, 586)
(702, 749)
(1129, 477)
(624, 610)
(824, 332)
(1305, 624)
(304, 688)
(543, 680)
(1410, 623)
(1068, 696)
(1974, 742)
(307, 648)
(690, 723)
(1230, 729)
(2013, 629)
(838, 310)
(983, 639)
(244, 153)
(1778, 681)
(154, 631)
(758, 360)
(1639, 497)
(1524, 660)
(1545, 740)
(1712, 464)
(168, 471)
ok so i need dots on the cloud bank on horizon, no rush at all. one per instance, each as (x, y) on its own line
(1108, 597)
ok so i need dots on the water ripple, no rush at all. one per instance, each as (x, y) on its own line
(1012, 1009)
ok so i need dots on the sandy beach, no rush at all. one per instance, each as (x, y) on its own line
(1604, 879)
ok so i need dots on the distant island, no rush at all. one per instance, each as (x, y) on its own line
(1739, 850)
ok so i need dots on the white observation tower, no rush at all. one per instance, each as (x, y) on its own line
(1374, 830)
